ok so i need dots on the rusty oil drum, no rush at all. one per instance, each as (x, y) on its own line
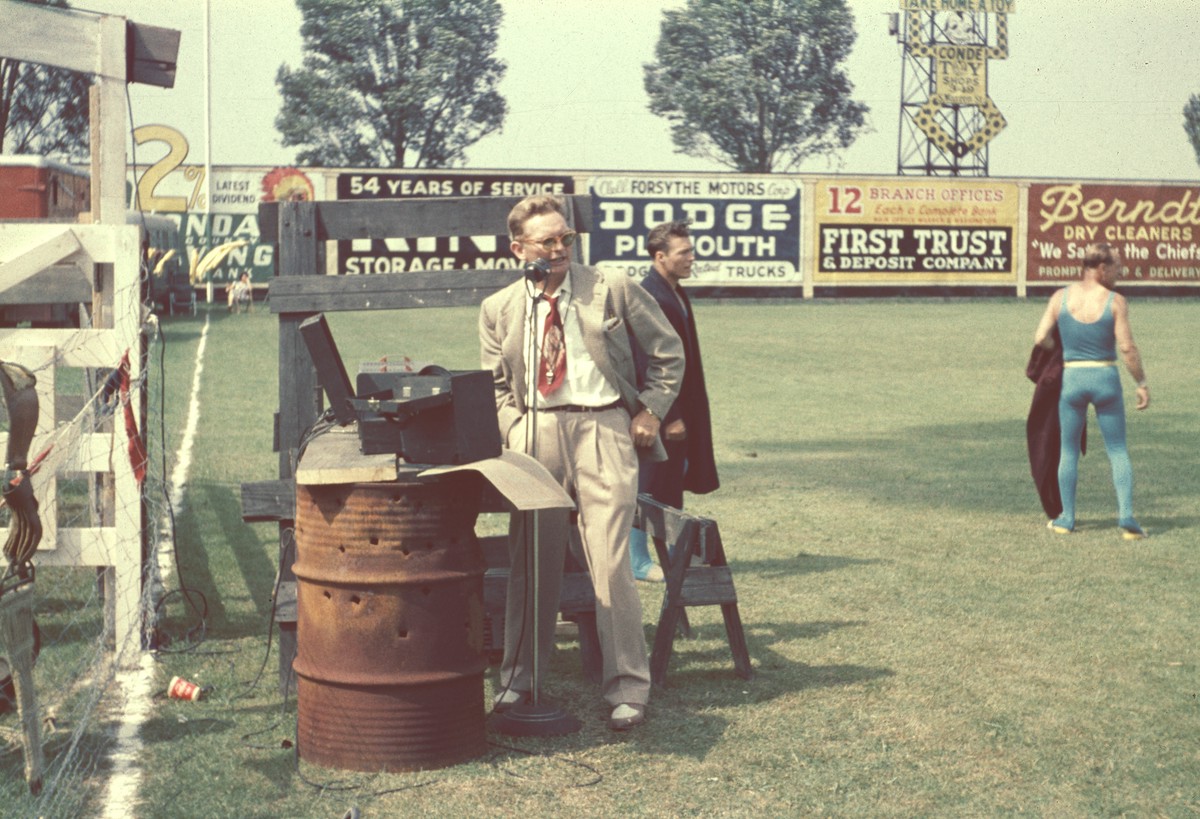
(389, 627)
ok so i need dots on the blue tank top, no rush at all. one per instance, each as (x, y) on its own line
(1095, 341)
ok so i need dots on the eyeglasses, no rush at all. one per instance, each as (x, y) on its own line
(548, 245)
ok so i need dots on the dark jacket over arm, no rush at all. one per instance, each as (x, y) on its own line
(1042, 431)
(692, 403)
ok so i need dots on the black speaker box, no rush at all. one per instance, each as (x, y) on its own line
(441, 418)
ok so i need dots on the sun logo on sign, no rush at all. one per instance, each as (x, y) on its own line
(287, 185)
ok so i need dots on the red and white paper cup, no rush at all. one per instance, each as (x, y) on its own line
(181, 689)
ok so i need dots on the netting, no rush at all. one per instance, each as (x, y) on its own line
(90, 617)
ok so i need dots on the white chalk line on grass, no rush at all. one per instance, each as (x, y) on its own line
(138, 684)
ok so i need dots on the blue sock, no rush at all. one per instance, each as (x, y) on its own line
(639, 553)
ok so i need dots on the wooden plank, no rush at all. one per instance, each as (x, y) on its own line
(104, 243)
(285, 602)
(414, 218)
(334, 457)
(75, 44)
(109, 122)
(707, 586)
(299, 396)
(331, 372)
(709, 548)
(703, 585)
(268, 224)
(658, 520)
(76, 348)
(60, 284)
(386, 215)
(81, 547)
(91, 452)
(664, 642)
(299, 392)
(16, 635)
(268, 501)
(443, 288)
(737, 641)
(35, 257)
(275, 500)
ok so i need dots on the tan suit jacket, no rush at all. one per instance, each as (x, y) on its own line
(611, 308)
(601, 474)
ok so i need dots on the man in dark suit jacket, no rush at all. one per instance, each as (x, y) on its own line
(687, 428)
(594, 421)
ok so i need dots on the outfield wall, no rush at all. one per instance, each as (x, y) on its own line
(805, 235)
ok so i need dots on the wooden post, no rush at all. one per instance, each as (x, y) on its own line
(109, 122)
(16, 634)
(298, 406)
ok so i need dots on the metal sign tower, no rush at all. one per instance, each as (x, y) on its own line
(947, 118)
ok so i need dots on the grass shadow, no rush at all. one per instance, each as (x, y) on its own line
(257, 570)
(227, 616)
(801, 564)
(981, 466)
(708, 651)
(192, 574)
(168, 728)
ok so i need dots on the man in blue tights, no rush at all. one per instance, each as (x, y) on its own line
(1093, 322)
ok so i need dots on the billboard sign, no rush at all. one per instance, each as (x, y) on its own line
(1156, 228)
(374, 256)
(746, 231)
(984, 6)
(895, 231)
(217, 217)
(961, 74)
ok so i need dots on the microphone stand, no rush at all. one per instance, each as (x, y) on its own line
(534, 719)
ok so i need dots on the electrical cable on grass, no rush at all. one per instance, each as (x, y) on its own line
(597, 777)
(288, 547)
(283, 713)
(201, 628)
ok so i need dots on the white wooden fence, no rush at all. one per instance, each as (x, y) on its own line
(39, 263)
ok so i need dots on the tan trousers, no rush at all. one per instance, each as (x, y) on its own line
(592, 455)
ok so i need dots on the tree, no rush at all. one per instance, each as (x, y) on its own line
(1191, 122)
(43, 110)
(392, 83)
(756, 85)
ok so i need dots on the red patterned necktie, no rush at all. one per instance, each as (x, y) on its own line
(553, 367)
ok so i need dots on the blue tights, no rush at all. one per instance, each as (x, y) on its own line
(1100, 387)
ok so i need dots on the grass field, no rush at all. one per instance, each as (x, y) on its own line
(922, 645)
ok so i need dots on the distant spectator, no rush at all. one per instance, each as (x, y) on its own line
(240, 294)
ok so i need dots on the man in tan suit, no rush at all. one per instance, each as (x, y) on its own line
(592, 425)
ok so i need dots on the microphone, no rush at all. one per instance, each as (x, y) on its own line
(536, 271)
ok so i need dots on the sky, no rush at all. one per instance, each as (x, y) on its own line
(1091, 90)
